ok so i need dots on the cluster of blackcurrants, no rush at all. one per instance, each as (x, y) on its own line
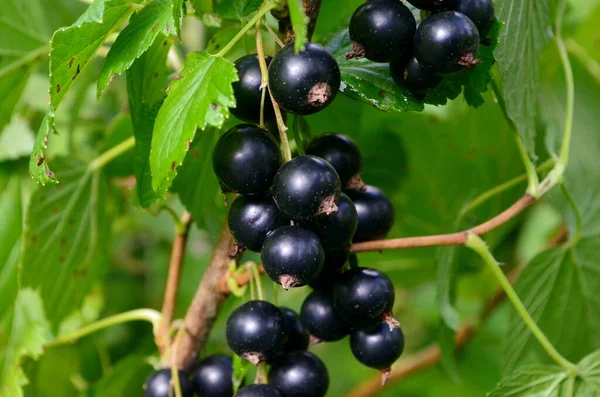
(445, 42)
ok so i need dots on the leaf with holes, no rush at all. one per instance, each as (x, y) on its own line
(201, 96)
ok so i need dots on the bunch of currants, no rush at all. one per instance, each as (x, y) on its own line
(445, 42)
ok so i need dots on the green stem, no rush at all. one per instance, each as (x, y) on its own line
(264, 75)
(30, 57)
(478, 245)
(297, 139)
(578, 217)
(111, 154)
(285, 145)
(275, 294)
(590, 64)
(149, 315)
(266, 7)
(258, 282)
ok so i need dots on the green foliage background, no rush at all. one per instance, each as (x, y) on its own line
(92, 246)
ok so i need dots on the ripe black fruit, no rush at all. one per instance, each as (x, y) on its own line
(378, 348)
(247, 91)
(257, 391)
(159, 384)
(304, 82)
(362, 296)
(256, 331)
(292, 256)
(481, 12)
(320, 317)
(245, 159)
(305, 187)
(383, 29)
(341, 152)
(298, 336)
(213, 376)
(251, 218)
(299, 374)
(332, 268)
(433, 5)
(447, 42)
(375, 213)
(336, 230)
(414, 77)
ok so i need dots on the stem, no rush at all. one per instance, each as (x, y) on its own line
(261, 372)
(275, 294)
(478, 245)
(272, 33)
(266, 7)
(297, 139)
(168, 308)
(264, 74)
(152, 316)
(590, 64)
(111, 154)
(30, 57)
(256, 276)
(285, 145)
(578, 217)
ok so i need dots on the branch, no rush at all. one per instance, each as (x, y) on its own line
(168, 309)
(205, 306)
(311, 9)
(458, 238)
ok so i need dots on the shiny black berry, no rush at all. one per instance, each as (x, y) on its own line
(335, 259)
(306, 187)
(304, 82)
(247, 91)
(298, 336)
(447, 42)
(375, 213)
(320, 317)
(337, 230)
(363, 297)
(382, 30)
(159, 384)
(245, 159)
(258, 391)
(251, 218)
(378, 348)
(292, 256)
(213, 376)
(256, 331)
(299, 374)
(481, 12)
(341, 152)
(414, 77)
(433, 5)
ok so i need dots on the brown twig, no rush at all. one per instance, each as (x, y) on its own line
(311, 9)
(168, 309)
(241, 280)
(205, 306)
(458, 238)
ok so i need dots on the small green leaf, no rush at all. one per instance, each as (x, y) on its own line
(177, 14)
(201, 96)
(532, 381)
(143, 28)
(38, 167)
(299, 23)
(240, 368)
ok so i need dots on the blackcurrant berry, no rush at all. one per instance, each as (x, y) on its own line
(363, 297)
(304, 82)
(433, 5)
(378, 348)
(292, 256)
(341, 152)
(375, 213)
(320, 317)
(306, 187)
(251, 218)
(447, 42)
(256, 331)
(382, 30)
(298, 336)
(245, 159)
(299, 374)
(247, 91)
(414, 77)
(481, 12)
(258, 391)
(213, 376)
(159, 384)
(337, 229)
(332, 268)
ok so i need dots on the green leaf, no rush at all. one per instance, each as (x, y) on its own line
(24, 335)
(240, 368)
(12, 85)
(38, 167)
(589, 372)
(200, 97)
(143, 28)
(11, 228)
(16, 141)
(237, 9)
(177, 14)
(523, 39)
(126, 378)
(299, 23)
(539, 381)
(64, 244)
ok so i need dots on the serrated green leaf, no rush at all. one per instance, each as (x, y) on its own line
(177, 14)
(540, 381)
(522, 41)
(38, 166)
(63, 246)
(200, 97)
(299, 23)
(143, 28)
(143, 125)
